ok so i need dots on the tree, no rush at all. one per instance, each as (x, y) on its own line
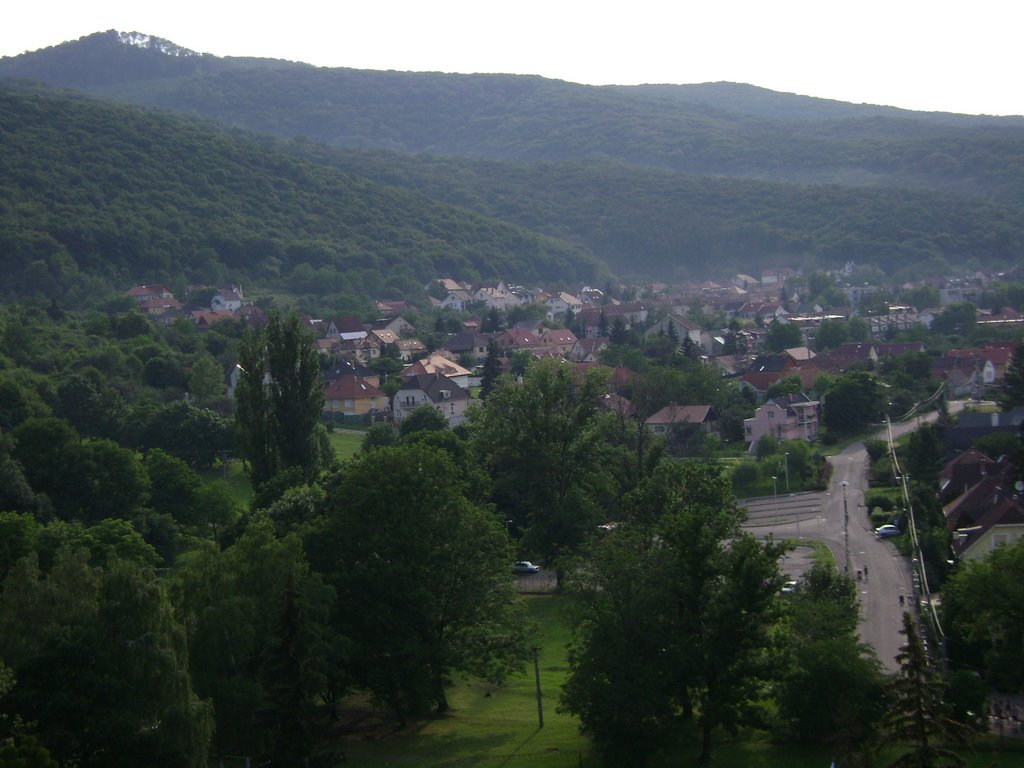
(207, 379)
(423, 575)
(830, 334)
(108, 641)
(783, 336)
(1012, 393)
(851, 402)
(232, 601)
(983, 609)
(918, 714)
(493, 322)
(826, 655)
(423, 418)
(692, 571)
(617, 652)
(491, 370)
(173, 485)
(956, 320)
(532, 439)
(280, 398)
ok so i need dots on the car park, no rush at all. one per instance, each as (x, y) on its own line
(525, 566)
(885, 531)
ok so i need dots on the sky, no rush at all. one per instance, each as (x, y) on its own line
(936, 55)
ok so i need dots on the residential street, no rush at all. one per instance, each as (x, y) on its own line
(819, 516)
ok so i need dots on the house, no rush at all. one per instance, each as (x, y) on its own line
(588, 350)
(963, 471)
(351, 398)
(673, 415)
(347, 327)
(383, 336)
(794, 417)
(440, 365)
(411, 349)
(517, 340)
(988, 514)
(562, 303)
(497, 297)
(457, 300)
(436, 390)
(157, 307)
(467, 343)
(559, 340)
(617, 404)
(397, 325)
(227, 298)
(204, 318)
(677, 325)
(143, 293)
(971, 426)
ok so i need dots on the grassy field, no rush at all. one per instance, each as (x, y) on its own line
(497, 728)
(346, 443)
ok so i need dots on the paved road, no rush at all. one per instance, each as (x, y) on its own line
(819, 516)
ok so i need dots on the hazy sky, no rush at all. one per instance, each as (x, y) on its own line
(935, 55)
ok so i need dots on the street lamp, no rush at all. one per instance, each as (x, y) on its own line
(786, 455)
(846, 529)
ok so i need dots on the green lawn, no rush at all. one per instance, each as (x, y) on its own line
(490, 727)
(345, 443)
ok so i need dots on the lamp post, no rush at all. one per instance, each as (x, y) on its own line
(846, 529)
(786, 455)
(775, 495)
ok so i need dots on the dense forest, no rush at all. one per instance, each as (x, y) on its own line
(721, 130)
(656, 182)
(94, 195)
(644, 221)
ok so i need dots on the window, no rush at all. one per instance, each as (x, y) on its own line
(771, 414)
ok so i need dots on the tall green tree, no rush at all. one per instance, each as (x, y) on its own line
(280, 398)
(983, 611)
(782, 336)
(531, 438)
(423, 578)
(825, 655)
(918, 714)
(491, 370)
(699, 572)
(206, 381)
(1012, 393)
(851, 402)
(617, 654)
(108, 642)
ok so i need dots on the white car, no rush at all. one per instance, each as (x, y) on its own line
(885, 531)
(789, 587)
(525, 566)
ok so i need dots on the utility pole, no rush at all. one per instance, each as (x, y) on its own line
(846, 529)
(540, 703)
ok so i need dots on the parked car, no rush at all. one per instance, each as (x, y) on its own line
(789, 587)
(525, 566)
(885, 531)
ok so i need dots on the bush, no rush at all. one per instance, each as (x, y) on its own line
(876, 449)
(873, 500)
(879, 517)
(745, 476)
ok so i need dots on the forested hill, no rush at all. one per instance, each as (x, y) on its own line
(648, 222)
(94, 195)
(715, 130)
